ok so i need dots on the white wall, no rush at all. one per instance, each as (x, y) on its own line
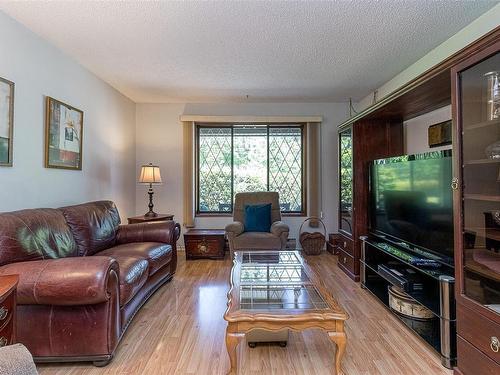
(39, 69)
(416, 138)
(159, 140)
(477, 28)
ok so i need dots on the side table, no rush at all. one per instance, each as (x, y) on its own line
(205, 243)
(146, 219)
(8, 286)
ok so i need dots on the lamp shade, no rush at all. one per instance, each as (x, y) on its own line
(150, 174)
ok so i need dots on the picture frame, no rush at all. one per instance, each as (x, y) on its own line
(440, 134)
(6, 122)
(63, 135)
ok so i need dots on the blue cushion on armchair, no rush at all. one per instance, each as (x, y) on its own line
(257, 218)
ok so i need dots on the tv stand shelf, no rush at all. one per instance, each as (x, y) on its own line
(435, 291)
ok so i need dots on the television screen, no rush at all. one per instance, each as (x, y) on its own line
(411, 201)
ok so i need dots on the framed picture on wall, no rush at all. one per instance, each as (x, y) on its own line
(6, 121)
(440, 134)
(63, 135)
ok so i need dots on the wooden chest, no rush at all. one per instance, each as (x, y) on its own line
(205, 243)
(8, 309)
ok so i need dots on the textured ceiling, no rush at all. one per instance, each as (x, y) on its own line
(159, 51)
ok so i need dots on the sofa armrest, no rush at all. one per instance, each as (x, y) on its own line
(65, 281)
(278, 228)
(235, 228)
(163, 231)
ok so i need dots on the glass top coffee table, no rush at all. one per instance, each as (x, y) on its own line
(276, 290)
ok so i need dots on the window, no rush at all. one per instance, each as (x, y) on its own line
(244, 158)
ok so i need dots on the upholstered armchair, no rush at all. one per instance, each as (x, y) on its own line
(240, 240)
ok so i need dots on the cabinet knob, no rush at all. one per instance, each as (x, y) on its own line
(3, 312)
(494, 344)
(345, 260)
(454, 183)
(345, 244)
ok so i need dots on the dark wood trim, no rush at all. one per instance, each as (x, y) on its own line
(371, 140)
(441, 68)
(303, 129)
(345, 233)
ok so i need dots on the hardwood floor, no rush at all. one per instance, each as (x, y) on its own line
(180, 330)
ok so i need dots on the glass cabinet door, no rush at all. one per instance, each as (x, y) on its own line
(479, 103)
(345, 180)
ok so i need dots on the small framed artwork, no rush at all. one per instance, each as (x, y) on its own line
(440, 134)
(6, 121)
(63, 135)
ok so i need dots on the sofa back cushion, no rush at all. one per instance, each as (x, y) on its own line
(93, 225)
(34, 235)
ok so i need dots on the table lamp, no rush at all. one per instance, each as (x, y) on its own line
(150, 174)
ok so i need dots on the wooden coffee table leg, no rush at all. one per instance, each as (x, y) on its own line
(232, 340)
(339, 338)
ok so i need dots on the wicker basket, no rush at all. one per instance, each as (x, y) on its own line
(312, 243)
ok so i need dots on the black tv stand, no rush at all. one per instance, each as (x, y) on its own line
(431, 285)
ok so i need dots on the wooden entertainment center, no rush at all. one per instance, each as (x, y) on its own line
(377, 132)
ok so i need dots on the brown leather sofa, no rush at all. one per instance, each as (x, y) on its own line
(83, 276)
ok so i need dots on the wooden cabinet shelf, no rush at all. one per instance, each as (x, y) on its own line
(482, 161)
(482, 197)
(482, 124)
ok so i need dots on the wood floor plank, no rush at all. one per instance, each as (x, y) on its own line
(180, 330)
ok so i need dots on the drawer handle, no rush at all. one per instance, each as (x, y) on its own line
(345, 244)
(494, 344)
(345, 260)
(3, 341)
(3, 312)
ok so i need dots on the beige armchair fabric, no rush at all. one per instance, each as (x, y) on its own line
(240, 240)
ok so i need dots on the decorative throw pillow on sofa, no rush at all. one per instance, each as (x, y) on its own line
(257, 218)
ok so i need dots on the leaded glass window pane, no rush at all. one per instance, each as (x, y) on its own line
(246, 158)
(250, 159)
(214, 170)
(346, 176)
(285, 166)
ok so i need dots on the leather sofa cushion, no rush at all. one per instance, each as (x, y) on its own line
(133, 275)
(257, 240)
(63, 282)
(157, 254)
(34, 235)
(93, 225)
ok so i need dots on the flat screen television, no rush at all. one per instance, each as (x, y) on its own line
(411, 202)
